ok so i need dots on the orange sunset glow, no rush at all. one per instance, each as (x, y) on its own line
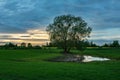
(35, 36)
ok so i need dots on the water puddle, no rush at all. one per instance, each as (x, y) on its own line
(77, 58)
(91, 58)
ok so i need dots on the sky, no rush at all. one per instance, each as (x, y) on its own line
(26, 20)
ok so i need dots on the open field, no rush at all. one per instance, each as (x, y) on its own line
(31, 65)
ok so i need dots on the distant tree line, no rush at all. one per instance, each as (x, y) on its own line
(23, 45)
(80, 43)
(114, 44)
(85, 44)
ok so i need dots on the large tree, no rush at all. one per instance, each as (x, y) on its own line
(67, 30)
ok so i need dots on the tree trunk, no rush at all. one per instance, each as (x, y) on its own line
(65, 50)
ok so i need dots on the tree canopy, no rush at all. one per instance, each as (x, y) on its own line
(67, 30)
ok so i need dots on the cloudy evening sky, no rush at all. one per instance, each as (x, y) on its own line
(26, 20)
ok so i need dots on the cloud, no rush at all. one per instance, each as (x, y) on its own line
(5, 36)
(21, 16)
(10, 29)
(33, 13)
(34, 36)
(105, 35)
(25, 36)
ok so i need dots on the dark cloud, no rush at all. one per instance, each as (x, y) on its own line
(115, 20)
(18, 16)
(4, 28)
(25, 36)
(24, 39)
(5, 36)
(26, 14)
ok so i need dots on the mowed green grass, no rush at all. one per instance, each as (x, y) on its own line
(32, 65)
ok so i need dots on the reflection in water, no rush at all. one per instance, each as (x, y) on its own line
(90, 58)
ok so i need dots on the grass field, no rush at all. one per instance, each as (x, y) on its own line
(31, 65)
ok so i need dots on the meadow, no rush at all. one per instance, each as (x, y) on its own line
(32, 64)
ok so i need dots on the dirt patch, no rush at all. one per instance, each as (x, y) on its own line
(68, 58)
